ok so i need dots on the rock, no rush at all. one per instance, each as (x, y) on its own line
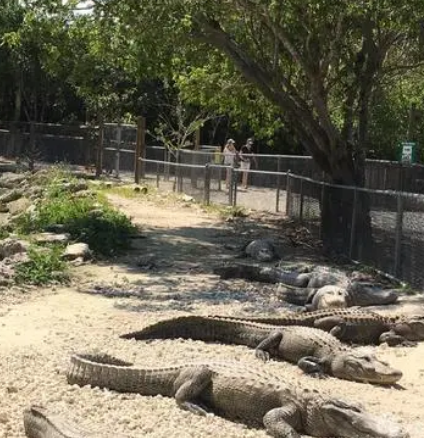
(10, 180)
(11, 195)
(75, 186)
(4, 208)
(187, 198)
(11, 246)
(52, 238)
(19, 206)
(86, 194)
(77, 250)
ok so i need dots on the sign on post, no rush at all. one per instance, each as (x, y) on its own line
(408, 152)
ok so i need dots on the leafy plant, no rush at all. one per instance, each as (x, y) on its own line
(44, 266)
(88, 219)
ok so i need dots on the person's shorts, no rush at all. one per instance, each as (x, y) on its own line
(245, 165)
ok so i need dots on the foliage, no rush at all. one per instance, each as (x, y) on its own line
(44, 266)
(87, 219)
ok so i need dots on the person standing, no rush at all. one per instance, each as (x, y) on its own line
(246, 158)
(230, 154)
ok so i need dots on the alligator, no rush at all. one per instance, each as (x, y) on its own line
(40, 423)
(355, 293)
(236, 392)
(315, 351)
(351, 325)
(262, 250)
(300, 288)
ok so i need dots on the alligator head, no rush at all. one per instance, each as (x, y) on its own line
(363, 367)
(411, 329)
(334, 417)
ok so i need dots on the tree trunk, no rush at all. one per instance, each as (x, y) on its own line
(345, 211)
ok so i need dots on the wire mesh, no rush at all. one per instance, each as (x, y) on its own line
(411, 258)
(374, 237)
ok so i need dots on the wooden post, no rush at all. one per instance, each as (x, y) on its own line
(100, 145)
(140, 149)
(197, 139)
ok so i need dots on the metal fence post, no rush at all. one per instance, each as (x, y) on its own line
(207, 185)
(288, 195)
(233, 188)
(157, 175)
(398, 234)
(230, 191)
(179, 173)
(118, 147)
(167, 159)
(277, 195)
(140, 149)
(301, 201)
(353, 223)
(100, 146)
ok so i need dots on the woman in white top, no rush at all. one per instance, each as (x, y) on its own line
(230, 153)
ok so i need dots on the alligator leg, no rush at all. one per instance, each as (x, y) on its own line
(189, 386)
(268, 345)
(278, 422)
(392, 339)
(312, 365)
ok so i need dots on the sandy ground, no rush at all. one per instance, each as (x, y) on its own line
(40, 329)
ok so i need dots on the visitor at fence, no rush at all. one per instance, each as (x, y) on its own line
(230, 154)
(246, 158)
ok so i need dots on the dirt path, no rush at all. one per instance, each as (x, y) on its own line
(170, 268)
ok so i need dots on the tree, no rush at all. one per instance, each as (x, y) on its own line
(318, 62)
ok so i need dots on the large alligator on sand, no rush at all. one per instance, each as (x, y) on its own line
(304, 288)
(314, 350)
(351, 325)
(231, 390)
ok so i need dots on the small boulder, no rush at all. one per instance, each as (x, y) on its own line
(10, 196)
(52, 238)
(11, 246)
(10, 180)
(77, 251)
(19, 206)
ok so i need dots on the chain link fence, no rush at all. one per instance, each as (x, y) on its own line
(384, 229)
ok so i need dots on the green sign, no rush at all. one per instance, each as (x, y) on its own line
(407, 152)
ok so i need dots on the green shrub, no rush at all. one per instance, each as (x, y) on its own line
(104, 229)
(44, 266)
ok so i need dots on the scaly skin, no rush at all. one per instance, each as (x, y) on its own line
(355, 326)
(39, 423)
(314, 350)
(234, 391)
